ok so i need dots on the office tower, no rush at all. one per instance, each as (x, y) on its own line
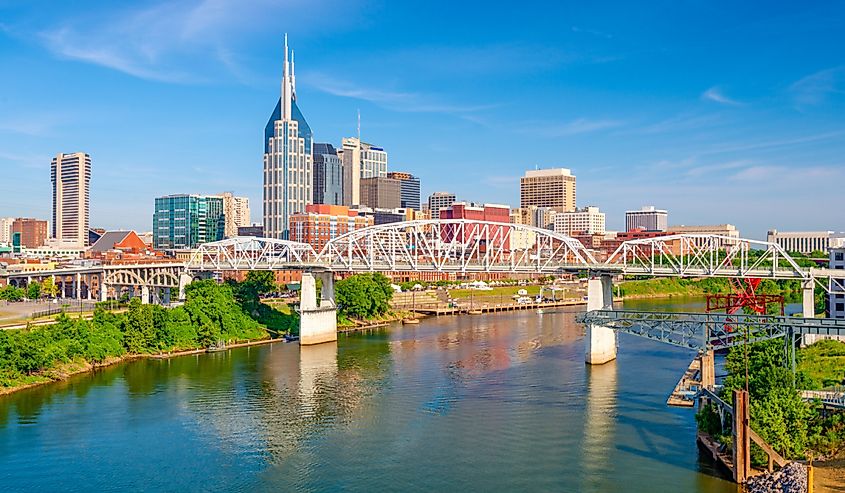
(235, 213)
(584, 221)
(184, 221)
(360, 160)
(439, 200)
(409, 189)
(328, 175)
(380, 192)
(71, 175)
(33, 232)
(552, 188)
(287, 158)
(648, 219)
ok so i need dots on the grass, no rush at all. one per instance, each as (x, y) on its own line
(824, 362)
(497, 292)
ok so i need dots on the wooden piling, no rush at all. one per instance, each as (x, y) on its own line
(741, 437)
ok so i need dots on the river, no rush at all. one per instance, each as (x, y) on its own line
(480, 403)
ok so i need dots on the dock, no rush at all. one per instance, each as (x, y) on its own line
(687, 388)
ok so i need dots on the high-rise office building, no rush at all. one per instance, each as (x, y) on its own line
(380, 192)
(33, 232)
(185, 221)
(438, 201)
(409, 192)
(71, 176)
(328, 175)
(360, 160)
(584, 221)
(235, 212)
(836, 287)
(6, 230)
(288, 155)
(648, 219)
(552, 188)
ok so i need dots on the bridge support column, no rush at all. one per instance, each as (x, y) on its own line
(600, 341)
(184, 280)
(808, 306)
(707, 369)
(166, 300)
(145, 295)
(317, 323)
(104, 291)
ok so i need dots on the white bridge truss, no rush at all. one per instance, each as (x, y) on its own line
(466, 246)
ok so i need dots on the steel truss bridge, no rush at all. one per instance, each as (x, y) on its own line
(468, 246)
(710, 331)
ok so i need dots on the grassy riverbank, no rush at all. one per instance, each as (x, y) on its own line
(822, 364)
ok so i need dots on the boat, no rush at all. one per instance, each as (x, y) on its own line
(291, 338)
(216, 347)
(411, 321)
(475, 312)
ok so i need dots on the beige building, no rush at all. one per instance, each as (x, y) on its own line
(439, 200)
(360, 160)
(727, 230)
(806, 241)
(380, 193)
(585, 221)
(71, 175)
(236, 214)
(552, 188)
(6, 229)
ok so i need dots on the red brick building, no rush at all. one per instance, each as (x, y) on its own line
(33, 231)
(488, 212)
(322, 222)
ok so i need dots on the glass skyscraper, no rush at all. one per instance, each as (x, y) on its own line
(288, 151)
(328, 175)
(185, 221)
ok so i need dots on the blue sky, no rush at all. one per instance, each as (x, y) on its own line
(718, 111)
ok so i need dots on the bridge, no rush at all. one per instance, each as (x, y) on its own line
(465, 247)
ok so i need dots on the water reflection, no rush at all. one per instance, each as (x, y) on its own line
(599, 424)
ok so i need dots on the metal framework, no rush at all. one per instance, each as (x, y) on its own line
(709, 331)
(251, 253)
(832, 397)
(456, 245)
(744, 295)
(701, 255)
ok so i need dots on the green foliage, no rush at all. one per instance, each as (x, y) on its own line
(49, 288)
(33, 290)
(364, 295)
(824, 363)
(11, 293)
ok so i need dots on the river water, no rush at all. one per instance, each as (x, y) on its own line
(476, 403)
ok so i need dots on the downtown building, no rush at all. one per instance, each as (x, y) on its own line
(550, 188)
(438, 201)
(328, 175)
(647, 219)
(323, 222)
(70, 175)
(587, 221)
(409, 189)
(236, 214)
(806, 241)
(185, 221)
(836, 287)
(379, 192)
(288, 158)
(27, 232)
(6, 230)
(360, 160)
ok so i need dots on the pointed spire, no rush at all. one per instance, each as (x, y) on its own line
(292, 77)
(286, 87)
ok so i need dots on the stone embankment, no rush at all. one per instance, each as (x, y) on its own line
(790, 479)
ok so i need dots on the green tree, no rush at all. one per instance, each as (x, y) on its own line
(33, 290)
(49, 288)
(364, 295)
(138, 328)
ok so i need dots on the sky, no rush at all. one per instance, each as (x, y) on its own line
(720, 112)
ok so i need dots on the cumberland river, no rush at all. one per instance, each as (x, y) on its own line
(475, 403)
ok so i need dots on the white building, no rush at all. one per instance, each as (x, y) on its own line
(6, 230)
(235, 212)
(439, 200)
(360, 160)
(587, 220)
(726, 230)
(837, 286)
(288, 158)
(648, 219)
(71, 177)
(806, 241)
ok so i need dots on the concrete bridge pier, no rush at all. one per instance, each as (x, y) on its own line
(104, 291)
(184, 280)
(317, 318)
(600, 341)
(808, 308)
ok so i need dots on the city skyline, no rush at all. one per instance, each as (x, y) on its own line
(752, 129)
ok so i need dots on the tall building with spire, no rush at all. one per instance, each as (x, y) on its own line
(288, 158)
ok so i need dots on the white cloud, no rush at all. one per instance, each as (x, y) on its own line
(815, 88)
(575, 127)
(716, 95)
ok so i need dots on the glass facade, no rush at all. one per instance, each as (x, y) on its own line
(328, 175)
(186, 221)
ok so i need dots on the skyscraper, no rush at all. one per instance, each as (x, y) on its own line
(409, 189)
(288, 165)
(71, 175)
(648, 218)
(553, 188)
(328, 175)
(360, 160)
(380, 192)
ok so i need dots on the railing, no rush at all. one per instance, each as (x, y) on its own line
(833, 396)
(75, 307)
